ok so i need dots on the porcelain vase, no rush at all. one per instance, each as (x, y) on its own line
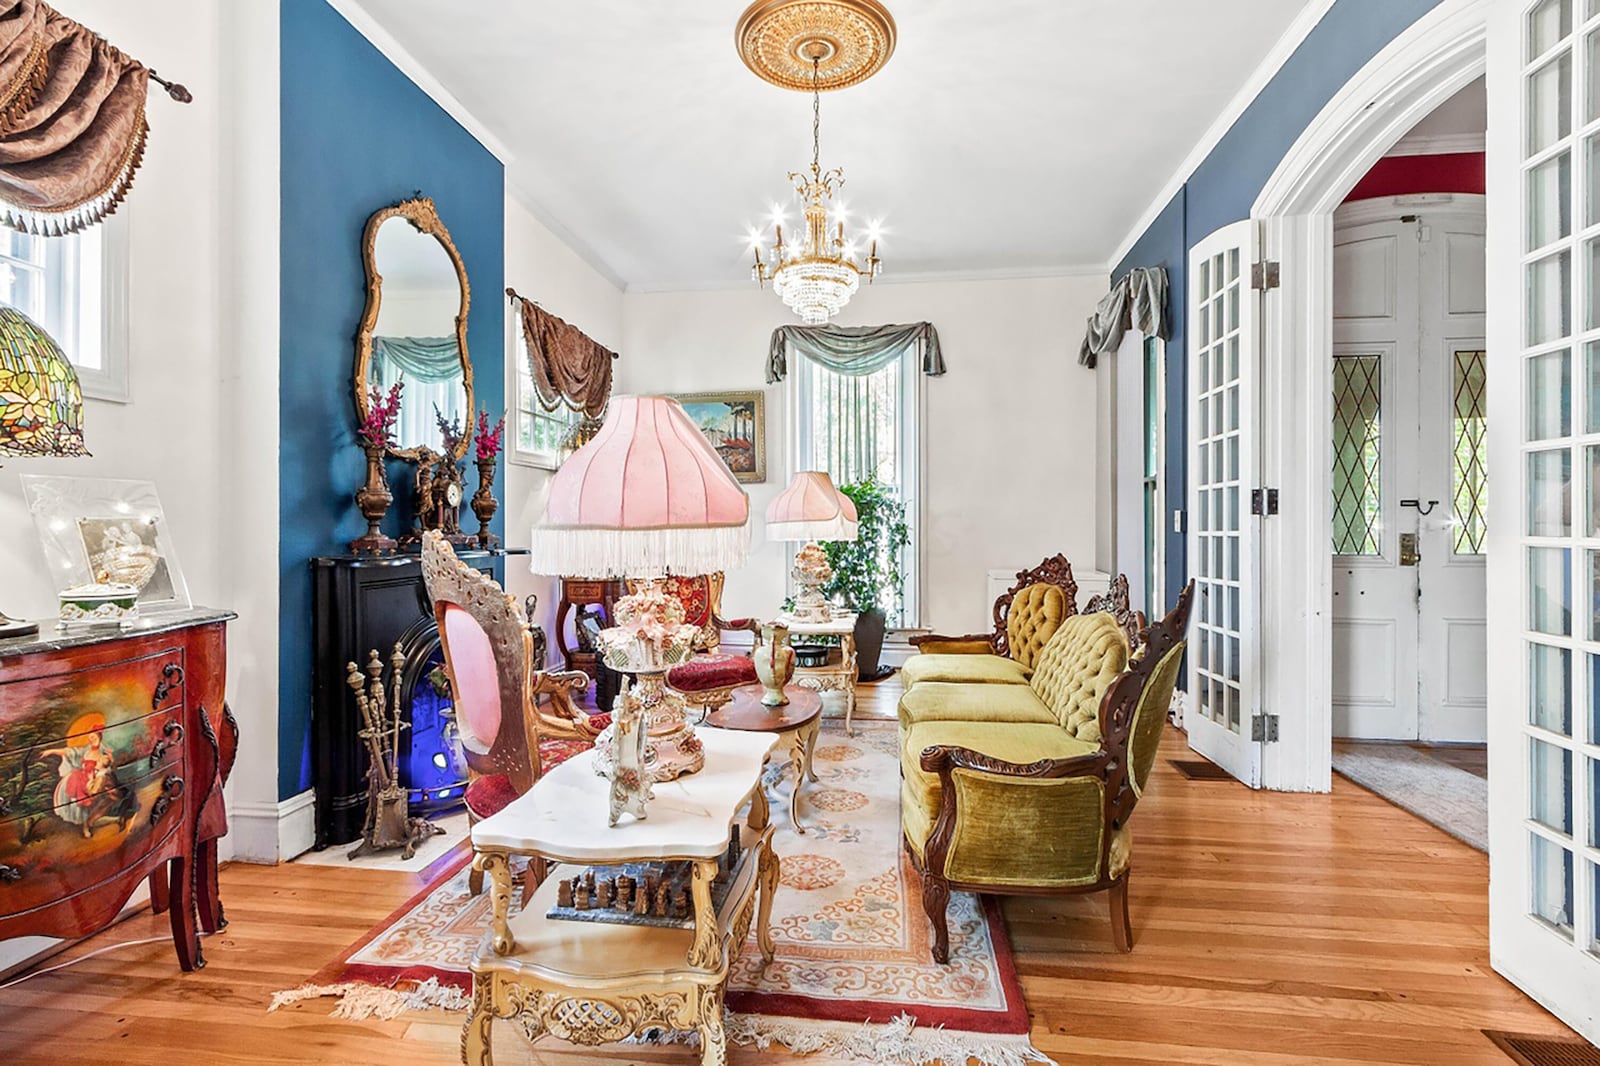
(774, 660)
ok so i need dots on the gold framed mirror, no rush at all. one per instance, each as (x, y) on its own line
(414, 328)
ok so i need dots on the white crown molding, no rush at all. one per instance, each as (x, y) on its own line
(580, 248)
(1285, 47)
(409, 65)
(1439, 144)
(927, 277)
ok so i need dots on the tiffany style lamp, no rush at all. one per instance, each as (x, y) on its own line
(41, 406)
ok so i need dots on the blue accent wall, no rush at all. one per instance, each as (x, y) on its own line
(357, 136)
(1227, 182)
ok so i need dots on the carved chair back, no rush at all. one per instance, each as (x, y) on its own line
(1116, 602)
(1133, 714)
(487, 652)
(1026, 615)
(701, 597)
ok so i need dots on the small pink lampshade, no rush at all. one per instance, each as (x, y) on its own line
(646, 496)
(811, 509)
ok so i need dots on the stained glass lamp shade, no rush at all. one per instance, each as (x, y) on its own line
(41, 406)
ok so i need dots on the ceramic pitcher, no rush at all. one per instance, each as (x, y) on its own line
(774, 663)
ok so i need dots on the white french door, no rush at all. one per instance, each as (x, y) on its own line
(1544, 525)
(1223, 325)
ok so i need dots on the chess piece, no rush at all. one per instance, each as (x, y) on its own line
(583, 896)
(624, 892)
(734, 847)
(564, 894)
(602, 897)
(680, 906)
(651, 883)
(588, 880)
(641, 904)
(661, 901)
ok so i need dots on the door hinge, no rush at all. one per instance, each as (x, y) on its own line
(1264, 275)
(1264, 728)
(1263, 501)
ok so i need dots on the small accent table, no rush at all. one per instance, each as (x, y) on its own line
(796, 723)
(596, 983)
(839, 674)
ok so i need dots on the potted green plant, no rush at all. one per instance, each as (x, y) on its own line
(866, 571)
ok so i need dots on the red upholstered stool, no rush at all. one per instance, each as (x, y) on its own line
(708, 681)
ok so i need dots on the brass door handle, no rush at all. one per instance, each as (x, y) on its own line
(1409, 556)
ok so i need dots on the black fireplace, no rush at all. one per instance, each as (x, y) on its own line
(361, 603)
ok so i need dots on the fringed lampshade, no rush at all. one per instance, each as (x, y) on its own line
(41, 405)
(811, 509)
(647, 496)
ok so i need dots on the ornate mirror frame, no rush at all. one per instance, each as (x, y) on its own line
(424, 218)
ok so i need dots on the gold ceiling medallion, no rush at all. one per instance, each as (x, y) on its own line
(820, 45)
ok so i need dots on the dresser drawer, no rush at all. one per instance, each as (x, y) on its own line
(77, 845)
(39, 712)
(37, 780)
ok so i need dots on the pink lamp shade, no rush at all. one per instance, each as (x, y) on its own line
(811, 509)
(647, 496)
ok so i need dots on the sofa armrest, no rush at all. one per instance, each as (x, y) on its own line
(944, 759)
(938, 644)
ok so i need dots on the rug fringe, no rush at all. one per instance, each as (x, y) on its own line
(900, 1040)
(359, 1001)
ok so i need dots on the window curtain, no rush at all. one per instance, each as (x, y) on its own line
(418, 358)
(1138, 301)
(568, 368)
(72, 121)
(853, 350)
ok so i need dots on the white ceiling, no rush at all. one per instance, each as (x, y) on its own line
(1008, 136)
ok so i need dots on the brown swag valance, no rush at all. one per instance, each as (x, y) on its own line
(72, 121)
(568, 368)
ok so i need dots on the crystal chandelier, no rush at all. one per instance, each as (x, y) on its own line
(818, 273)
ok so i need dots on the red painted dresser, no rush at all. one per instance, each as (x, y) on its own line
(114, 747)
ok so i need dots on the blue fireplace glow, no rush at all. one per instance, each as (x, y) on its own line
(431, 766)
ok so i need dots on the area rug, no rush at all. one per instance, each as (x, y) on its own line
(1442, 795)
(853, 977)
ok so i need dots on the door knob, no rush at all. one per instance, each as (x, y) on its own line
(1409, 556)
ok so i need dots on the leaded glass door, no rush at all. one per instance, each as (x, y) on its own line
(1223, 325)
(1543, 529)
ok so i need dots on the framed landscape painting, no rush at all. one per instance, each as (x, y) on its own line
(736, 425)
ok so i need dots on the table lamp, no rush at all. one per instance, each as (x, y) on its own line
(645, 497)
(811, 510)
(41, 405)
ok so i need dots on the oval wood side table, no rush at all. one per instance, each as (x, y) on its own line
(797, 724)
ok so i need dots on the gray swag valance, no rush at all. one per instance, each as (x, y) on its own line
(1138, 301)
(853, 350)
(420, 358)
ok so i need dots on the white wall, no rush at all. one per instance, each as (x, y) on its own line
(543, 268)
(1009, 438)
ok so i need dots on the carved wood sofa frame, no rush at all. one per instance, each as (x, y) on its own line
(1110, 764)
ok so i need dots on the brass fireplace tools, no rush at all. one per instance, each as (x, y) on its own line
(388, 823)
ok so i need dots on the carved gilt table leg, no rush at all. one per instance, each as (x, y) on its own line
(847, 645)
(797, 764)
(768, 876)
(713, 1040)
(477, 1033)
(498, 866)
(706, 952)
(811, 749)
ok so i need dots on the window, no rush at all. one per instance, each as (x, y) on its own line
(1357, 454)
(1154, 412)
(861, 427)
(537, 434)
(1470, 455)
(76, 288)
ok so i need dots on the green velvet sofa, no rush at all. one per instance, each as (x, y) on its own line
(1026, 787)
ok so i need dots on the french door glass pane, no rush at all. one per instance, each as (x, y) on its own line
(1592, 302)
(1549, 585)
(1593, 609)
(1550, 201)
(1357, 454)
(1591, 67)
(1594, 807)
(1591, 456)
(1549, 396)
(1594, 698)
(1550, 688)
(1548, 22)
(1591, 407)
(1549, 493)
(1550, 786)
(1469, 465)
(1550, 298)
(1592, 168)
(1550, 103)
(1552, 882)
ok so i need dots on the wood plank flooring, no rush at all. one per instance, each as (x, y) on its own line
(1269, 929)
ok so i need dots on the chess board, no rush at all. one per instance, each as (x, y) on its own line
(675, 877)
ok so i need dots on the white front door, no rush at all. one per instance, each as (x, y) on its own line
(1408, 403)
(1223, 325)
(1544, 503)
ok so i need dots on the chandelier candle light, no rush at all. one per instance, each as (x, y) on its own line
(811, 510)
(646, 497)
(843, 42)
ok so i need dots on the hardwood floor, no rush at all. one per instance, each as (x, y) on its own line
(1269, 929)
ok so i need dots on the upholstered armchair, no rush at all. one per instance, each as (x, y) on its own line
(1026, 616)
(707, 681)
(515, 722)
(1037, 808)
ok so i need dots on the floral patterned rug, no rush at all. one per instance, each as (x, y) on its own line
(853, 976)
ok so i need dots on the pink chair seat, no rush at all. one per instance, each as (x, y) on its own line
(712, 671)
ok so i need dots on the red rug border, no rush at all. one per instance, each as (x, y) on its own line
(336, 970)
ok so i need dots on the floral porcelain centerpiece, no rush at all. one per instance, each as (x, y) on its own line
(649, 639)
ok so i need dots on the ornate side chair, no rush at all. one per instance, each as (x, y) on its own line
(994, 816)
(709, 679)
(1026, 616)
(509, 733)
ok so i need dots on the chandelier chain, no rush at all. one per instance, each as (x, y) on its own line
(816, 119)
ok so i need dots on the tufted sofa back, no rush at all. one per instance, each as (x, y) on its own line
(1077, 665)
(1033, 618)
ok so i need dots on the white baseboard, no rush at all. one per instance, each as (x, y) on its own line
(273, 832)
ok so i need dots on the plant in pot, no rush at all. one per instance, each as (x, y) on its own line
(866, 571)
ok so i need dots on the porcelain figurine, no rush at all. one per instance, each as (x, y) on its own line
(629, 774)
(774, 660)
